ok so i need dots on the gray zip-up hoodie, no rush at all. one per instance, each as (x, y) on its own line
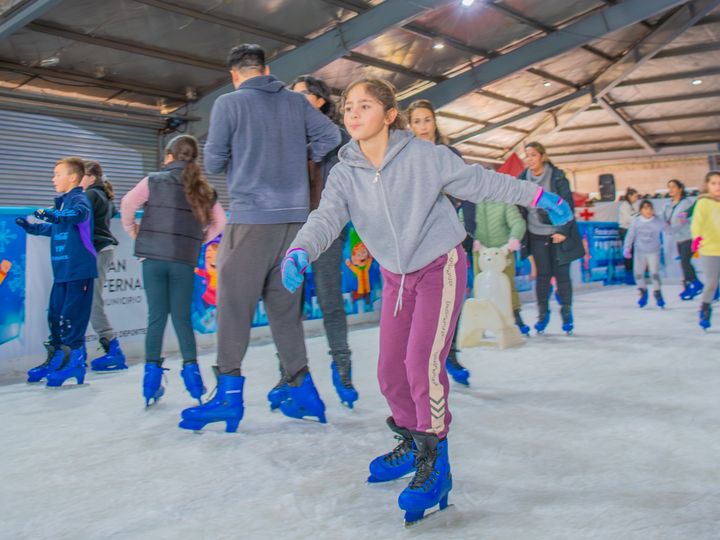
(677, 217)
(400, 210)
(261, 135)
(646, 235)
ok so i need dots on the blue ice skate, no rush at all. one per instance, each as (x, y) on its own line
(643, 300)
(432, 482)
(542, 322)
(705, 314)
(153, 389)
(524, 328)
(193, 380)
(72, 367)
(279, 392)
(659, 300)
(567, 318)
(397, 463)
(112, 360)
(227, 406)
(342, 381)
(457, 371)
(303, 401)
(51, 363)
(692, 289)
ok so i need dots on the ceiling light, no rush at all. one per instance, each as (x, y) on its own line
(697, 82)
(467, 3)
(49, 61)
(546, 83)
(438, 45)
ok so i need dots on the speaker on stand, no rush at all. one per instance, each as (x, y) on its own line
(606, 187)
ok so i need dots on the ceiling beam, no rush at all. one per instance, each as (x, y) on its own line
(689, 148)
(675, 76)
(325, 48)
(126, 46)
(22, 14)
(516, 118)
(699, 48)
(667, 99)
(623, 122)
(228, 21)
(58, 76)
(642, 121)
(643, 51)
(537, 25)
(574, 35)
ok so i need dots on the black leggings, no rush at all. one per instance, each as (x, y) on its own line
(628, 262)
(685, 251)
(545, 254)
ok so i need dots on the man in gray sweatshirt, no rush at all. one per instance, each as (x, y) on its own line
(262, 135)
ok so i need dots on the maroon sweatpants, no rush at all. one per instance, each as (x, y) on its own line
(415, 341)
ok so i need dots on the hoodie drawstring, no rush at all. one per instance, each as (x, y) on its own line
(398, 303)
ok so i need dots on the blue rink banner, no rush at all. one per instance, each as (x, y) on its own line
(603, 259)
(12, 279)
(361, 285)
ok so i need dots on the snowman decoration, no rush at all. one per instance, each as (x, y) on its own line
(490, 308)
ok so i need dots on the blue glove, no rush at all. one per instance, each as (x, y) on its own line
(49, 215)
(558, 210)
(22, 222)
(293, 267)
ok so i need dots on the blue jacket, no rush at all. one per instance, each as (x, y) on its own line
(260, 135)
(71, 240)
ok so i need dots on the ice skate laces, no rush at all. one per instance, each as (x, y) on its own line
(400, 451)
(426, 474)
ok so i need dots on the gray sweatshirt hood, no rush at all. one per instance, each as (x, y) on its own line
(351, 155)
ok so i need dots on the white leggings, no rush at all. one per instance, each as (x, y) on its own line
(649, 262)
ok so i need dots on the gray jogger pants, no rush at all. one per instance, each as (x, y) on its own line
(248, 264)
(98, 317)
(711, 275)
(649, 262)
(328, 283)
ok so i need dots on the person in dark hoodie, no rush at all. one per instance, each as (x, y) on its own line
(391, 185)
(69, 224)
(100, 193)
(327, 269)
(260, 135)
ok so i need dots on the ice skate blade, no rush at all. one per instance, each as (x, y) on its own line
(64, 387)
(309, 418)
(109, 370)
(416, 518)
(374, 480)
(231, 426)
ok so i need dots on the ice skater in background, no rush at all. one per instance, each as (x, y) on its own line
(645, 233)
(391, 185)
(706, 241)
(677, 216)
(69, 224)
(423, 123)
(181, 212)
(100, 193)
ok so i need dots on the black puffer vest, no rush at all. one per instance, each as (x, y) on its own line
(169, 231)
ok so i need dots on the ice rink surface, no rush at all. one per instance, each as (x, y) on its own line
(613, 433)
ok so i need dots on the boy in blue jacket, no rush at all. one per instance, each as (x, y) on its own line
(69, 224)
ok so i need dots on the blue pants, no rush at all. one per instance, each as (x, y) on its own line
(69, 312)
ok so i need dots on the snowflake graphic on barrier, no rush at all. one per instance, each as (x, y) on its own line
(16, 279)
(6, 236)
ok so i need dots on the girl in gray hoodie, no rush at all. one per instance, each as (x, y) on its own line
(392, 186)
(646, 234)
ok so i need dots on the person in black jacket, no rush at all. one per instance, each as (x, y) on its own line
(100, 193)
(552, 248)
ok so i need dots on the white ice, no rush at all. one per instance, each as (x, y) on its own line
(613, 433)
